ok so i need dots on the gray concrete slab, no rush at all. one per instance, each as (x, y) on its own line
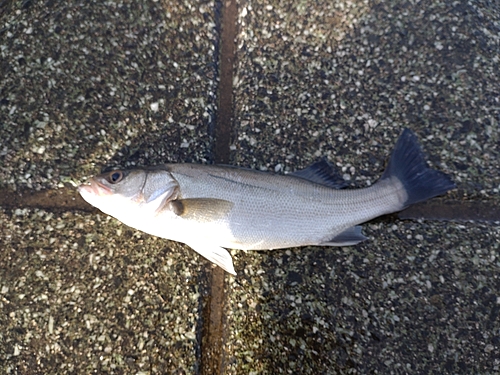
(415, 298)
(94, 84)
(341, 80)
(85, 86)
(84, 294)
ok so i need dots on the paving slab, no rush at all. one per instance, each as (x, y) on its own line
(93, 84)
(415, 298)
(87, 86)
(82, 294)
(342, 80)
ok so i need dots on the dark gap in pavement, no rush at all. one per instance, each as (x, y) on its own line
(460, 211)
(68, 199)
(438, 209)
(223, 128)
(213, 310)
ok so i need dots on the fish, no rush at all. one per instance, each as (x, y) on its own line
(212, 208)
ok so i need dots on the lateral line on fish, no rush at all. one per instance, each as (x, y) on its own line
(232, 208)
(239, 183)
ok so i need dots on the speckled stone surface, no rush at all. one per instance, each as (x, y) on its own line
(83, 294)
(85, 85)
(90, 84)
(341, 79)
(415, 298)
(96, 84)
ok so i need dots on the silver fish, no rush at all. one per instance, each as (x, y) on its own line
(210, 207)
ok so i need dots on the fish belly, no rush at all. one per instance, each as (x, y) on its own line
(276, 211)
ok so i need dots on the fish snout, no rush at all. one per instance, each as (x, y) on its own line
(93, 187)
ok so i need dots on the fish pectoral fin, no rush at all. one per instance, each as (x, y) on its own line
(201, 209)
(323, 173)
(215, 254)
(350, 236)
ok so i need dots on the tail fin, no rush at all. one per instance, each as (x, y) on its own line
(407, 163)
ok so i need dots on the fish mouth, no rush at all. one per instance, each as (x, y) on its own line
(94, 187)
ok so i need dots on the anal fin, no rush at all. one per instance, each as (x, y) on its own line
(350, 236)
(215, 254)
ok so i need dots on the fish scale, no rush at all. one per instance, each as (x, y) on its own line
(285, 211)
(211, 208)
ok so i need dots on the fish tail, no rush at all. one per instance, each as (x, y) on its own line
(408, 165)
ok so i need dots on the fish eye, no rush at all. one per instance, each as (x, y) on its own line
(115, 177)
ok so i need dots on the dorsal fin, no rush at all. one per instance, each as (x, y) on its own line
(323, 173)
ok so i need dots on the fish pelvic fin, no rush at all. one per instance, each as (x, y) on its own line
(215, 254)
(408, 165)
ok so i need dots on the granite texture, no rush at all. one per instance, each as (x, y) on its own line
(415, 298)
(341, 80)
(90, 85)
(83, 294)
(93, 84)
(87, 86)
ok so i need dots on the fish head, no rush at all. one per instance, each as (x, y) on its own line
(123, 193)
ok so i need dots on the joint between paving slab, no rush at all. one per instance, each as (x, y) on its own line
(213, 311)
(224, 125)
(67, 199)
